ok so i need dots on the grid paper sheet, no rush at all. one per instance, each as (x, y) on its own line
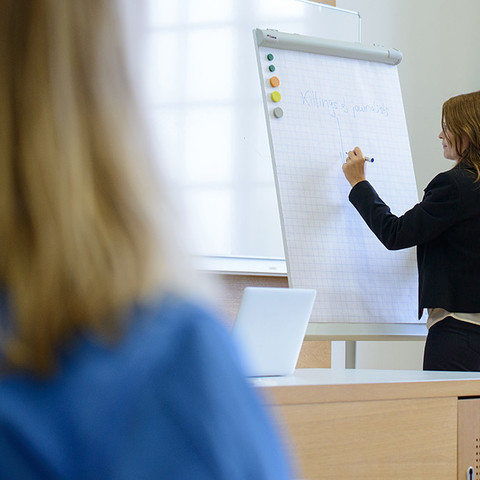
(330, 105)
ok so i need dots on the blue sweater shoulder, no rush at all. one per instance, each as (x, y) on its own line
(169, 400)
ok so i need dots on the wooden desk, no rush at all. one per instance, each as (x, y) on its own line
(379, 424)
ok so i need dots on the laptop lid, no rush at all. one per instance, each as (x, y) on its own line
(270, 327)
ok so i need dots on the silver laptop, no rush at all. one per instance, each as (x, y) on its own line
(270, 327)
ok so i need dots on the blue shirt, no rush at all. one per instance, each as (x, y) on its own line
(169, 401)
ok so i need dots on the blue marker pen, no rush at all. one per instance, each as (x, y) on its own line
(367, 159)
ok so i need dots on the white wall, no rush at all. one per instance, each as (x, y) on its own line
(439, 40)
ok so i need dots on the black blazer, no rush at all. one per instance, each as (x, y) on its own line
(445, 227)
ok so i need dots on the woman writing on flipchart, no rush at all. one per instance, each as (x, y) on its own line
(110, 365)
(445, 227)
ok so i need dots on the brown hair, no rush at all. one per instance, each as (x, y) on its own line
(461, 117)
(78, 241)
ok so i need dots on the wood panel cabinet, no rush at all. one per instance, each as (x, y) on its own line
(469, 438)
(379, 424)
(394, 439)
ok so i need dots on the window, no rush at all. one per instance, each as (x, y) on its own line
(204, 89)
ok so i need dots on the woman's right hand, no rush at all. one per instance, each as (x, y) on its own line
(354, 167)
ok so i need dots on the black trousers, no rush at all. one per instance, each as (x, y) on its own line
(452, 345)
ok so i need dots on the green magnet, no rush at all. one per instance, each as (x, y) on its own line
(271, 68)
(270, 57)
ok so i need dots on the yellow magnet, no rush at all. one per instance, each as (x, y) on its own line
(276, 97)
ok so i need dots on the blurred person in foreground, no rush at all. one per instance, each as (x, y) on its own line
(108, 369)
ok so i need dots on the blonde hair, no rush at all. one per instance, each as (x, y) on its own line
(77, 239)
(461, 117)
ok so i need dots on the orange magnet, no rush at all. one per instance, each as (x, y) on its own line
(276, 97)
(274, 82)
